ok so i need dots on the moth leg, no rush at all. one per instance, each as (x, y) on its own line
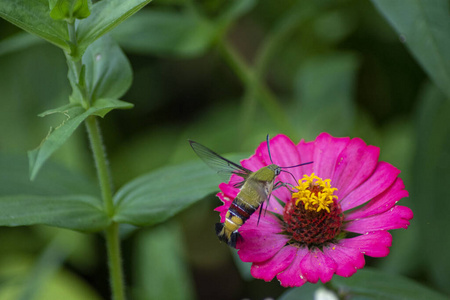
(278, 185)
(260, 211)
(289, 186)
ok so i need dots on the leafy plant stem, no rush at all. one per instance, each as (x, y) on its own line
(112, 232)
(75, 66)
(114, 261)
(73, 46)
(247, 112)
(271, 44)
(103, 174)
(72, 33)
(100, 163)
(247, 75)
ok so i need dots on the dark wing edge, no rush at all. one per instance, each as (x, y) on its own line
(218, 163)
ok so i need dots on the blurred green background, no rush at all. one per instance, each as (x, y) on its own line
(226, 73)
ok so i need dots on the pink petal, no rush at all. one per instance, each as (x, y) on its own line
(283, 150)
(326, 152)
(254, 162)
(258, 246)
(380, 203)
(383, 176)
(268, 269)
(222, 212)
(306, 151)
(227, 196)
(315, 265)
(354, 165)
(348, 260)
(375, 244)
(274, 205)
(267, 223)
(229, 192)
(396, 217)
(292, 275)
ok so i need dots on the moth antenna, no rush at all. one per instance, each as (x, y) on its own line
(299, 165)
(270, 156)
(268, 149)
(295, 179)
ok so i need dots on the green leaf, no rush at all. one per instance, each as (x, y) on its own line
(34, 17)
(336, 74)
(76, 212)
(243, 267)
(305, 292)
(104, 106)
(108, 72)
(70, 9)
(48, 262)
(18, 42)
(371, 284)
(74, 115)
(397, 149)
(105, 15)
(424, 26)
(53, 180)
(153, 198)
(430, 170)
(166, 33)
(168, 273)
(236, 9)
(18, 270)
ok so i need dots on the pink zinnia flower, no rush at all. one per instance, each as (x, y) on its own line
(341, 209)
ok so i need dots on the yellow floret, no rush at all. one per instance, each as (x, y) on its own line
(315, 193)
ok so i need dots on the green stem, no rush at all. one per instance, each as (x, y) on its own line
(75, 68)
(114, 261)
(101, 164)
(73, 39)
(293, 19)
(262, 93)
(252, 77)
(73, 46)
(112, 232)
(247, 112)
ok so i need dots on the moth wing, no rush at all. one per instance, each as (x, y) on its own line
(221, 165)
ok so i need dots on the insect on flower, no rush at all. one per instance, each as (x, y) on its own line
(340, 210)
(255, 188)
